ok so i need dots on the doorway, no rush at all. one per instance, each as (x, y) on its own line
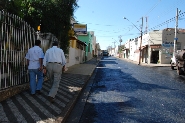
(155, 57)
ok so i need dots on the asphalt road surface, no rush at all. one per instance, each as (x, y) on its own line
(123, 92)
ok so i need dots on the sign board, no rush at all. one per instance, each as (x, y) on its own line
(38, 28)
(80, 29)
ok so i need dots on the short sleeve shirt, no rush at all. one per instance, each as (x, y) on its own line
(33, 55)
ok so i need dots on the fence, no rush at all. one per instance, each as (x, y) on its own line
(16, 37)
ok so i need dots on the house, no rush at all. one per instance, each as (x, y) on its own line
(76, 52)
(126, 50)
(90, 40)
(157, 46)
(76, 49)
(133, 50)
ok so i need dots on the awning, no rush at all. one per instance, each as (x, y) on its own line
(80, 42)
(73, 38)
(155, 46)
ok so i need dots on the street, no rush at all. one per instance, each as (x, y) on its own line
(124, 92)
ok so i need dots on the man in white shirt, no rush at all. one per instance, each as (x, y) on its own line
(34, 58)
(54, 61)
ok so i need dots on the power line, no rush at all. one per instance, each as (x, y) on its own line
(167, 11)
(168, 21)
(152, 8)
(98, 24)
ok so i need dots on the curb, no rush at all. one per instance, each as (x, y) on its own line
(67, 111)
(71, 105)
(145, 64)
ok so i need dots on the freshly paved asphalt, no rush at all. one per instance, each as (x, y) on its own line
(24, 108)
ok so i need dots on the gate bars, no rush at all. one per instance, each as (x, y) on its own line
(16, 37)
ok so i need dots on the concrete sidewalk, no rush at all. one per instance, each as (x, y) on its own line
(146, 64)
(24, 108)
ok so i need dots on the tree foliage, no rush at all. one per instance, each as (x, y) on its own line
(11, 6)
(53, 15)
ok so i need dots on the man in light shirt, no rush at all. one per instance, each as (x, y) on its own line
(54, 61)
(34, 58)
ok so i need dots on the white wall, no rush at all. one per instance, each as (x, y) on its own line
(71, 60)
(76, 56)
(132, 49)
(127, 47)
(94, 44)
(155, 37)
(127, 44)
(134, 44)
(89, 56)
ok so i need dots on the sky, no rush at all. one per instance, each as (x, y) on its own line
(106, 18)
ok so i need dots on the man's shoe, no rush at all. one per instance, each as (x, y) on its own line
(32, 94)
(38, 92)
(51, 99)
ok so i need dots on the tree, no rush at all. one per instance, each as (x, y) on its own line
(53, 16)
(12, 6)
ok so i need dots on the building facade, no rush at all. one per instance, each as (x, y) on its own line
(157, 46)
(90, 40)
(76, 49)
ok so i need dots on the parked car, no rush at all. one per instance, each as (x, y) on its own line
(173, 62)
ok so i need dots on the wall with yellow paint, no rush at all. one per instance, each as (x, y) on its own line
(73, 43)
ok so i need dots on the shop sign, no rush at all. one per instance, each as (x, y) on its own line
(166, 45)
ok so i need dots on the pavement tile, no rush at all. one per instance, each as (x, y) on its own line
(26, 108)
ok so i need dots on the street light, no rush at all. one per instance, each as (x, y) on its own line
(141, 37)
(132, 23)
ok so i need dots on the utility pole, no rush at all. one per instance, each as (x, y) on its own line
(141, 42)
(114, 47)
(120, 40)
(175, 36)
(120, 48)
(146, 25)
(141, 37)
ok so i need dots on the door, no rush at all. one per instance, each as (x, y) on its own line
(155, 57)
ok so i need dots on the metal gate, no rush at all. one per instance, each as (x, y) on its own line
(16, 37)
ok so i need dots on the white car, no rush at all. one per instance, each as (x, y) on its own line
(173, 62)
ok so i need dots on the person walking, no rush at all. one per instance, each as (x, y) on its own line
(54, 61)
(34, 58)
